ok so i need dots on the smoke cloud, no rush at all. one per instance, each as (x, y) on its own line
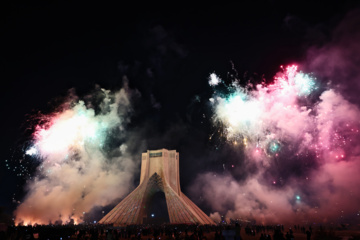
(300, 139)
(338, 60)
(85, 158)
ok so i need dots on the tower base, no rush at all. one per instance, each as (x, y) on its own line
(132, 209)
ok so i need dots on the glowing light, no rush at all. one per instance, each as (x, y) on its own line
(297, 197)
(243, 111)
(214, 80)
(304, 84)
(264, 116)
(239, 112)
(152, 215)
(274, 147)
(31, 151)
(294, 82)
(68, 129)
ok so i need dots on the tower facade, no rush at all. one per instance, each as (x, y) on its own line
(159, 173)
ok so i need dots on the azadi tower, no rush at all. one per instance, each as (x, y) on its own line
(159, 172)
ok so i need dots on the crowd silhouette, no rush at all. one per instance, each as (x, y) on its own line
(233, 231)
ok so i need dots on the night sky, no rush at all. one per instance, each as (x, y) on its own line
(163, 55)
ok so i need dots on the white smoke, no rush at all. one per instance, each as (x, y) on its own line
(77, 172)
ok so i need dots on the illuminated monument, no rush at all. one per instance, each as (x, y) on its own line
(159, 173)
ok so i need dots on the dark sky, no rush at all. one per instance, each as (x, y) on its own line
(166, 51)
